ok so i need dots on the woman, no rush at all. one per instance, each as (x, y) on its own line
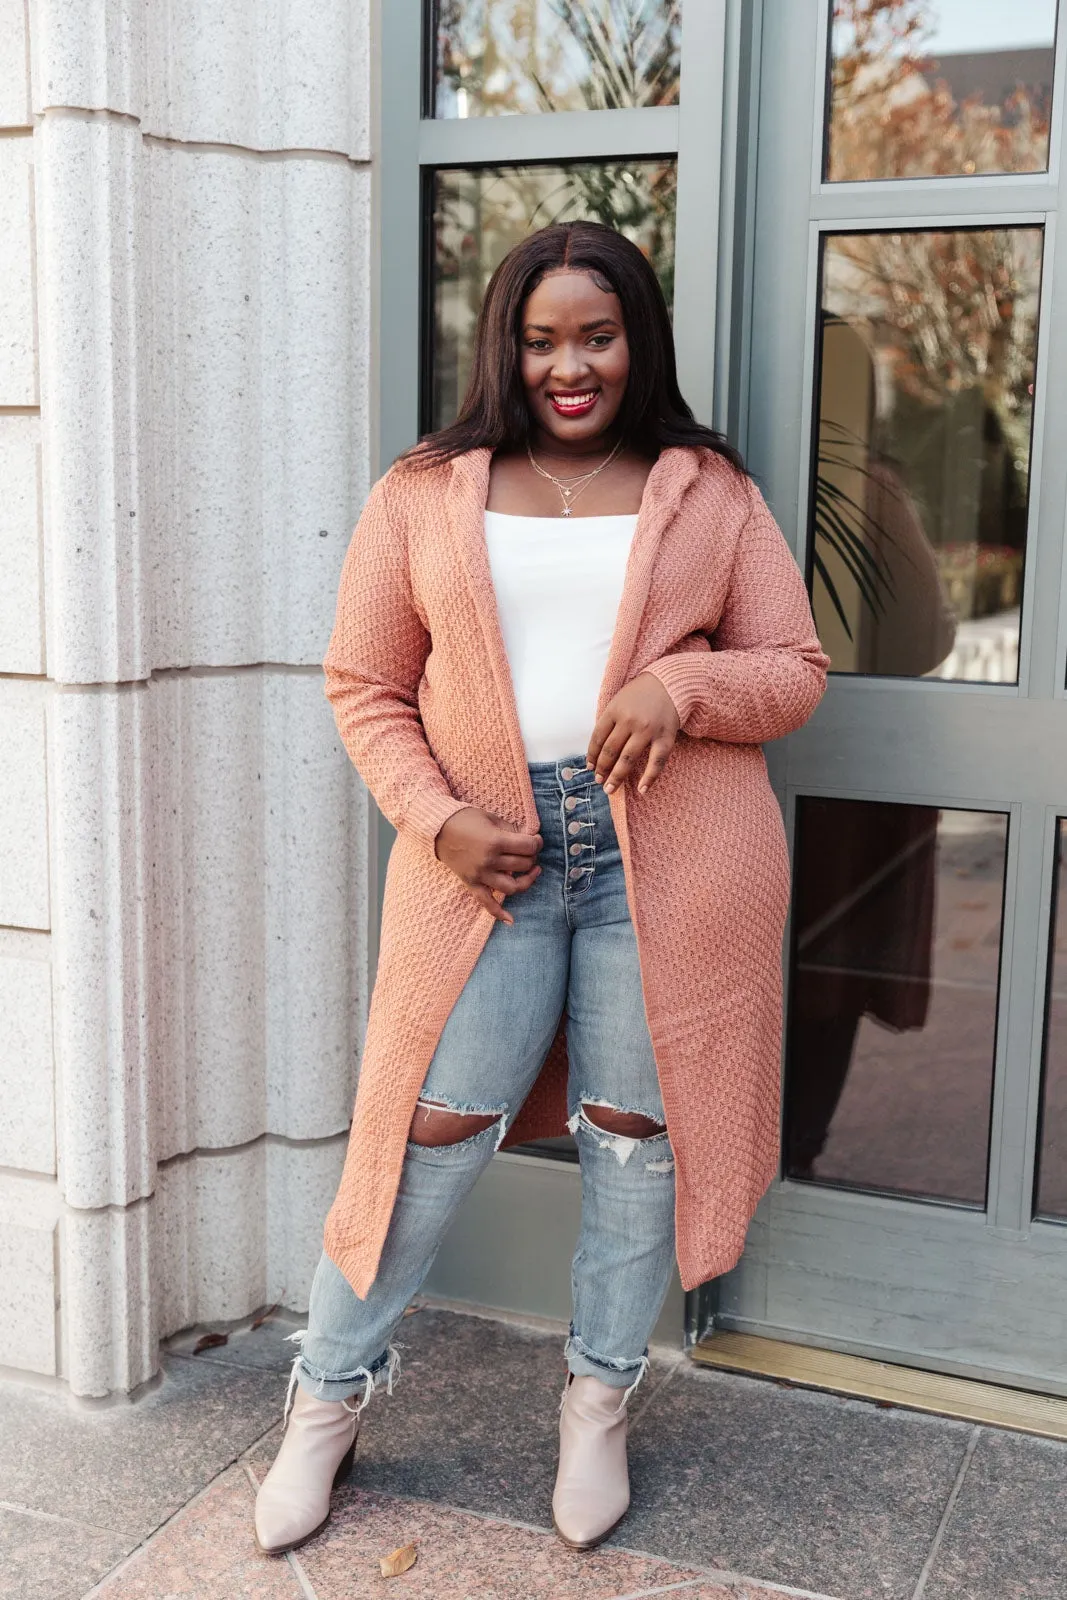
(565, 625)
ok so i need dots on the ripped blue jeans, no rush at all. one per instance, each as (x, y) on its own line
(571, 948)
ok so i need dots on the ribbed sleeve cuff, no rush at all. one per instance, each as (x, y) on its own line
(685, 678)
(427, 814)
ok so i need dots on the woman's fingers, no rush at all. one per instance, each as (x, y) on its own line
(525, 845)
(611, 748)
(504, 883)
(509, 883)
(641, 715)
(510, 863)
(631, 752)
(485, 898)
(657, 760)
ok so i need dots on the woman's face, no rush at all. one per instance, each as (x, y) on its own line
(574, 359)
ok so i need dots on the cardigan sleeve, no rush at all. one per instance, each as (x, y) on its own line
(374, 664)
(765, 672)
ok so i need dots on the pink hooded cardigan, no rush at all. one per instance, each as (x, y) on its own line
(418, 677)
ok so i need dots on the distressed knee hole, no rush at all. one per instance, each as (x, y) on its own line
(435, 1125)
(625, 1124)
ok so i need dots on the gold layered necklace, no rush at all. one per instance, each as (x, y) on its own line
(571, 488)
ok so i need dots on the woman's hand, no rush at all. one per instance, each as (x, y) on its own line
(486, 854)
(642, 716)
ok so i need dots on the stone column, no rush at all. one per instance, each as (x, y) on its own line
(184, 335)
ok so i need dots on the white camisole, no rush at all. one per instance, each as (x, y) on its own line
(558, 582)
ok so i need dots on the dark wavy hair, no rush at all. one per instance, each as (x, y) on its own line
(494, 412)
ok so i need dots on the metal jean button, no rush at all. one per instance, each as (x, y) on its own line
(575, 872)
(574, 827)
(567, 772)
(576, 849)
(570, 802)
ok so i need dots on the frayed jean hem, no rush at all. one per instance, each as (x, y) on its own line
(616, 1372)
(358, 1385)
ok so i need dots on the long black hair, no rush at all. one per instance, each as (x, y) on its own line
(494, 412)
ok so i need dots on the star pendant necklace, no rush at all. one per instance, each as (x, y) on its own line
(578, 484)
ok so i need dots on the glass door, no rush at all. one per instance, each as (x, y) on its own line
(496, 117)
(906, 416)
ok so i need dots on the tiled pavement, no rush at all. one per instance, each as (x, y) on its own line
(742, 1489)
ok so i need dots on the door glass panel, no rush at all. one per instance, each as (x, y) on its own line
(1051, 1188)
(934, 88)
(897, 915)
(925, 393)
(500, 56)
(479, 214)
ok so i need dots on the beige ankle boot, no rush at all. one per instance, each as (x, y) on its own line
(316, 1453)
(592, 1491)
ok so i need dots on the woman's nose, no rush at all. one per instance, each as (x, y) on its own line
(569, 366)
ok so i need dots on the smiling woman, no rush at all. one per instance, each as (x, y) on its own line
(575, 359)
(589, 856)
(478, 215)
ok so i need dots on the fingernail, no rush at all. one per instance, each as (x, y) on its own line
(641, 787)
(609, 788)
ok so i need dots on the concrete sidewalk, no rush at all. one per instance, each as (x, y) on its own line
(741, 1488)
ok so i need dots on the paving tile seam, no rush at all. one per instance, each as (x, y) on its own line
(670, 1588)
(292, 1561)
(206, 1359)
(637, 1412)
(306, 1587)
(946, 1516)
(19, 1510)
(705, 1574)
(768, 1587)
(148, 1539)
(725, 1580)
(77, 1522)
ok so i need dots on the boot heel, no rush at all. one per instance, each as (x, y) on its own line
(344, 1470)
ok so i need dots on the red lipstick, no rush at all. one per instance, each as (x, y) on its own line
(574, 405)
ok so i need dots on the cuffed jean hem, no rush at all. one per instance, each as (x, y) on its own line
(616, 1372)
(361, 1383)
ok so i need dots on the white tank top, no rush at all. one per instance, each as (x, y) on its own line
(558, 581)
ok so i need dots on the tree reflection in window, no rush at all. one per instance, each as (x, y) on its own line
(928, 348)
(920, 88)
(501, 56)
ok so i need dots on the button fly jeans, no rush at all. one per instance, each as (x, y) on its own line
(571, 948)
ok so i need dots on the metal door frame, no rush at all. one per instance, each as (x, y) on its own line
(793, 207)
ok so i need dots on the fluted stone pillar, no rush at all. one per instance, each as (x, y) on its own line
(184, 333)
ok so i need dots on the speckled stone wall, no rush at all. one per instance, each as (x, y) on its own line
(184, 330)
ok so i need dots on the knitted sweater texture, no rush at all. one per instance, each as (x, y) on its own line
(418, 677)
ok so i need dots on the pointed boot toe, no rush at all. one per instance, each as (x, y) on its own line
(592, 1493)
(316, 1453)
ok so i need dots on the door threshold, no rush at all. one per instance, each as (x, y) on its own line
(883, 1382)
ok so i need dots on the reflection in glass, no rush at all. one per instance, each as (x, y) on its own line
(921, 478)
(930, 88)
(1051, 1187)
(478, 215)
(499, 56)
(892, 1014)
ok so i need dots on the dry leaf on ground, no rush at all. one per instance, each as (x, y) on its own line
(260, 1320)
(209, 1342)
(400, 1560)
